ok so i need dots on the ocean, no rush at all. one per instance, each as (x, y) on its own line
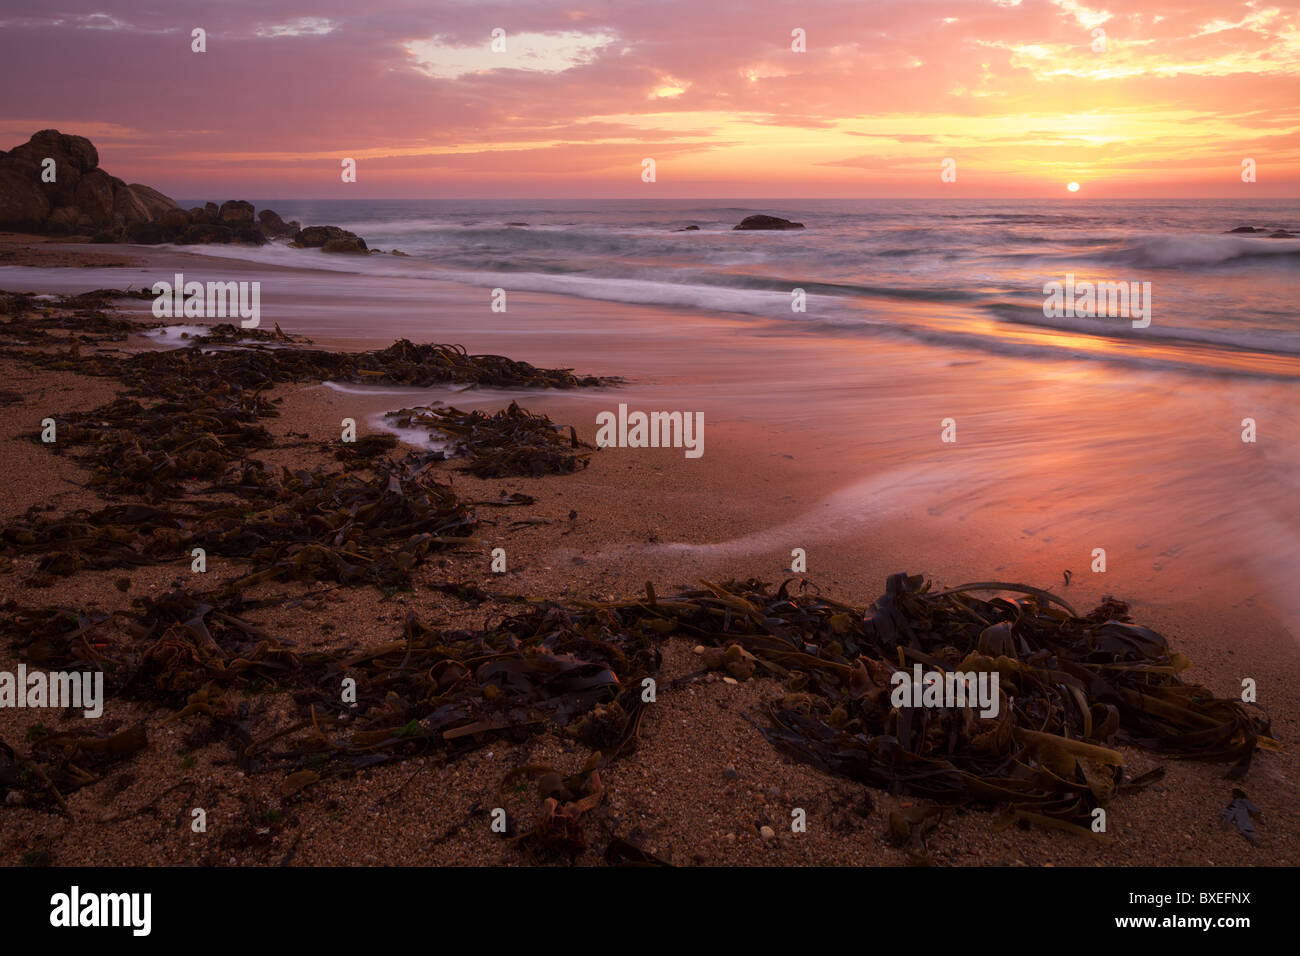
(968, 273)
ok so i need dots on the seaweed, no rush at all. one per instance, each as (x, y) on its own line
(1072, 689)
(511, 442)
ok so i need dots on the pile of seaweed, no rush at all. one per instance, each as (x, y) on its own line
(274, 357)
(189, 425)
(1073, 689)
(507, 443)
(31, 318)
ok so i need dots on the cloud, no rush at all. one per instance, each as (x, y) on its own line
(534, 52)
(286, 87)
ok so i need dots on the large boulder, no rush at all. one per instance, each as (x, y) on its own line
(154, 202)
(82, 197)
(273, 227)
(767, 222)
(235, 213)
(206, 233)
(316, 236)
(175, 220)
(356, 244)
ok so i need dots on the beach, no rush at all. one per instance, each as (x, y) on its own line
(832, 444)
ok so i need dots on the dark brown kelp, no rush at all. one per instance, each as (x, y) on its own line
(507, 443)
(336, 525)
(1072, 688)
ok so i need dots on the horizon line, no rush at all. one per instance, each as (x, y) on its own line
(1070, 199)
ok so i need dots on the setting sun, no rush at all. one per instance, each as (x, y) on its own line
(1073, 187)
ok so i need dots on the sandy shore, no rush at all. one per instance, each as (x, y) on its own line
(830, 444)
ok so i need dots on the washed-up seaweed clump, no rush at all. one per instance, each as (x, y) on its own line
(264, 362)
(190, 423)
(30, 320)
(1072, 689)
(511, 442)
(300, 524)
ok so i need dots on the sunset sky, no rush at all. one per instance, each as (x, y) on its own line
(1012, 90)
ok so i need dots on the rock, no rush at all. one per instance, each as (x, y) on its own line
(355, 244)
(767, 222)
(517, 224)
(767, 833)
(82, 198)
(175, 220)
(730, 772)
(206, 233)
(316, 236)
(1243, 229)
(242, 232)
(691, 229)
(235, 212)
(95, 197)
(273, 227)
(63, 220)
(1283, 234)
(155, 203)
(147, 233)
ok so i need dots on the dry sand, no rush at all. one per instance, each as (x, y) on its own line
(702, 781)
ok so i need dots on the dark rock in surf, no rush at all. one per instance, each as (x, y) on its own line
(235, 213)
(273, 227)
(1283, 234)
(314, 237)
(1243, 229)
(205, 233)
(767, 222)
(354, 244)
(691, 229)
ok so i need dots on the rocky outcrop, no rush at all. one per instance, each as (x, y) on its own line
(81, 199)
(1260, 231)
(345, 245)
(318, 236)
(236, 212)
(767, 222)
(85, 200)
(273, 227)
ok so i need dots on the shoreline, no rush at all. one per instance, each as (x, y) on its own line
(776, 474)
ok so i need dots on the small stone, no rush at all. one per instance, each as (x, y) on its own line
(767, 833)
(730, 772)
(731, 838)
(730, 680)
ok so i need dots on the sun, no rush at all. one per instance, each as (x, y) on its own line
(1073, 187)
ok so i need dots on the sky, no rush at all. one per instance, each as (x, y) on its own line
(1127, 98)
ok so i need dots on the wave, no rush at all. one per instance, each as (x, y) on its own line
(1175, 251)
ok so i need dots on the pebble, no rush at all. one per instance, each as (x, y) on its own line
(730, 772)
(767, 833)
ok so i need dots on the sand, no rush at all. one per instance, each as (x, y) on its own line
(829, 447)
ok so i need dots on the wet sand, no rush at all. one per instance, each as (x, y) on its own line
(830, 444)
